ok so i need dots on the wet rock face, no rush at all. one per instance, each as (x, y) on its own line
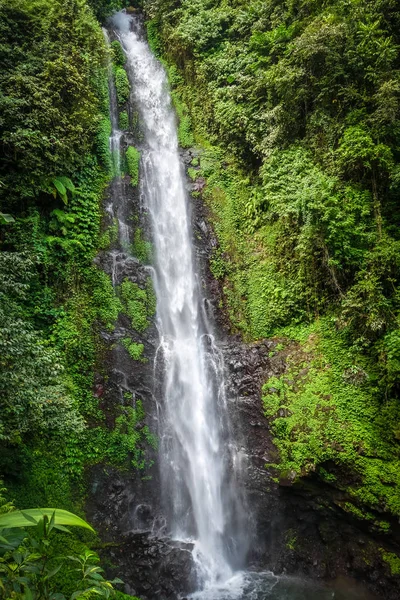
(116, 503)
(298, 527)
(157, 567)
(132, 532)
(246, 368)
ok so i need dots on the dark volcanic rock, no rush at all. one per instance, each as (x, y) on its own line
(154, 567)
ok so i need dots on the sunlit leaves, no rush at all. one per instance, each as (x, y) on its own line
(31, 517)
(358, 152)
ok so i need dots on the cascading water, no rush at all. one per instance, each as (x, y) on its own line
(198, 481)
(202, 499)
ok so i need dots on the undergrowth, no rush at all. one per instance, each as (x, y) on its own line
(327, 417)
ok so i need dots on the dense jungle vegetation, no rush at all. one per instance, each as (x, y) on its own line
(54, 168)
(294, 106)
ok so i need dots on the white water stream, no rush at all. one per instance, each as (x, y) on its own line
(196, 464)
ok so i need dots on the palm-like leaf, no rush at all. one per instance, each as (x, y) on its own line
(32, 516)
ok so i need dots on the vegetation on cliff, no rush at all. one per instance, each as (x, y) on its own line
(295, 105)
(54, 301)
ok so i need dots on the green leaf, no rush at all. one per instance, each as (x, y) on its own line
(60, 187)
(62, 528)
(9, 540)
(27, 595)
(53, 572)
(6, 218)
(29, 517)
(77, 594)
(52, 521)
(20, 518)
(96, 576)
(67, 183)
(75, 559)
(92, 570)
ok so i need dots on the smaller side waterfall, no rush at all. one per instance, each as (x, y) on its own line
(116, 133)
(116, 206)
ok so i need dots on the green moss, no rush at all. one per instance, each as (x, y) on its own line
(193, 173)
(358, 513)
(291, 539)
(185, 133)
(138, 304)
(325, 409)
(185, 126)
(328, 477)
(133, 162)
(134, 349)
(141, 248)
(104, 300)
(383, 526)
(392, 560)
(123, 120)
(103, 144)
(153, 37)
(122, 85)
(126, 438)
(218, 264)
(151, 300)
(109, 237)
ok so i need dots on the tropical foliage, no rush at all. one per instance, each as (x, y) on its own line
(54, 168)
(30, 566)
(295, 108)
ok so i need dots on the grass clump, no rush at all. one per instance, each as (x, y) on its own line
(138, 303)
(392, 560)
(153, 38)
(141, 248)
(109, 236)
(122, 85)
(134, 349)
(133, 162)
(123, 120)
(103, 143)
(185, 132)
(118, 55)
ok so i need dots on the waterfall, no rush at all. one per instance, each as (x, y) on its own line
(195, 457)
(202, 498)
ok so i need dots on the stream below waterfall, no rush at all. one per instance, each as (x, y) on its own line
(202, 495)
